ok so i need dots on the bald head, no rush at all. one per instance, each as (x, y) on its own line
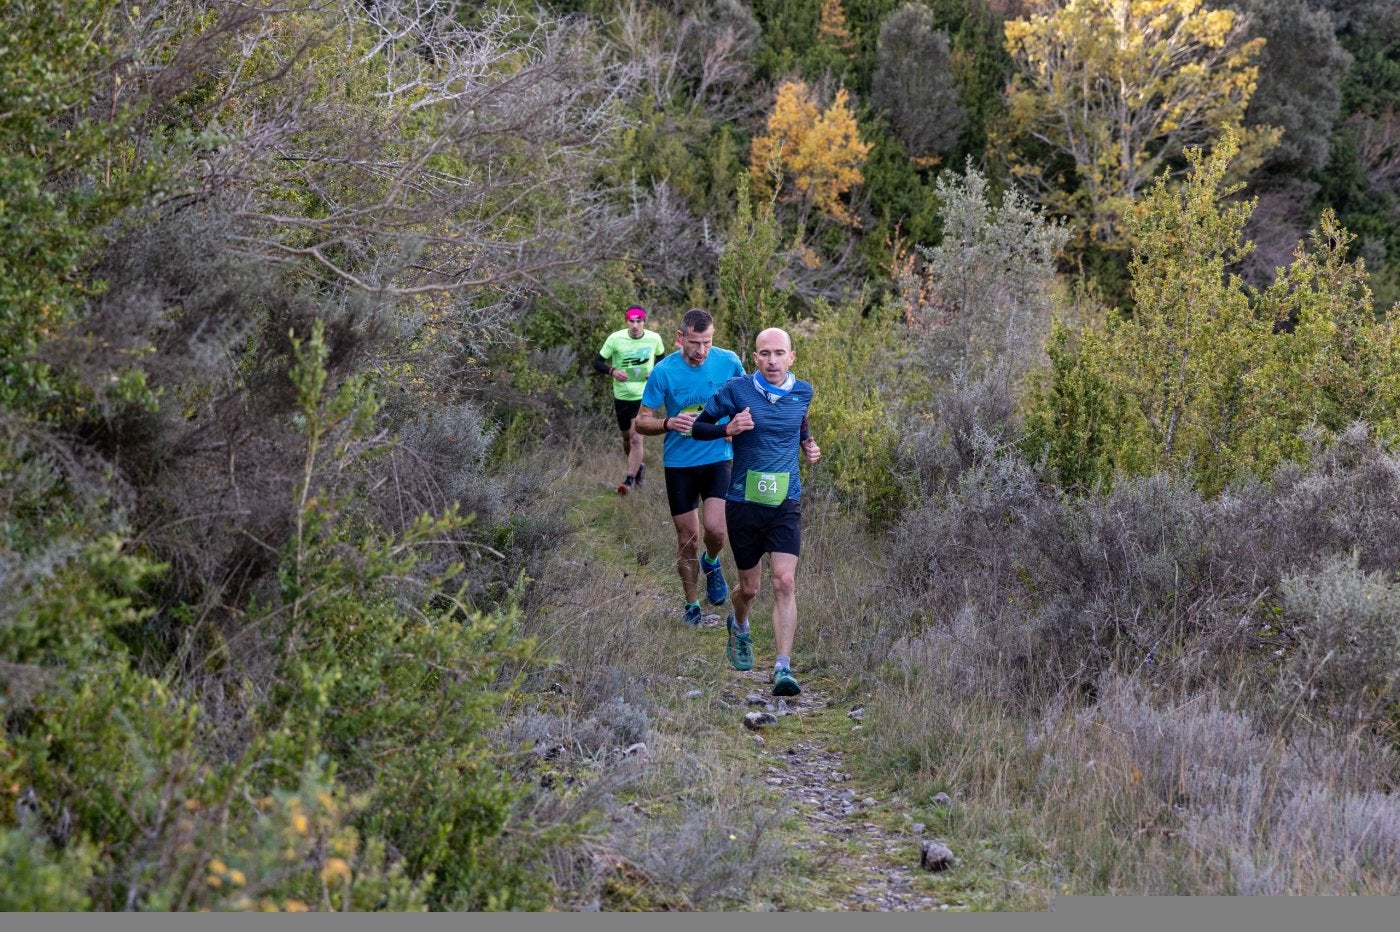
(773, 336)
(773, 354)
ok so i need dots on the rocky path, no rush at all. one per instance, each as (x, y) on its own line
(872, 868)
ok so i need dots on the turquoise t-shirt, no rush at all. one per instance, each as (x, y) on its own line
(677, 386)
(635, 357)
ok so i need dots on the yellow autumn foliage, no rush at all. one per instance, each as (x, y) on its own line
(819, 153)
(1121, 88)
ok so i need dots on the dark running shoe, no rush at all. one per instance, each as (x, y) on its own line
(625, 486)
(692, 615)
(641, 471)
(716, 589)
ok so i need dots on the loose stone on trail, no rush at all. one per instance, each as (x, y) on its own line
(757, 720)
(857, 714)
(935, 856)
(941, 799)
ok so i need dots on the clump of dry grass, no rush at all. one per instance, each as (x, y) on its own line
(1142, 791)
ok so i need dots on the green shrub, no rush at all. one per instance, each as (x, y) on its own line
(1207, 376)
(750, 298)
(850, 358)
(39, 878)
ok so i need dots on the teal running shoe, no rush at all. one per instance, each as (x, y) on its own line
(716, 589)
(784, 683)
(739, 650)
(692, 614)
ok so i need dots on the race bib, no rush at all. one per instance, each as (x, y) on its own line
(636, 373)
(765, 488)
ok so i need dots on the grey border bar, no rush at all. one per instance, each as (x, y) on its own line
(1073, 914)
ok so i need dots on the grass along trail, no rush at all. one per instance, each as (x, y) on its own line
(712, 814)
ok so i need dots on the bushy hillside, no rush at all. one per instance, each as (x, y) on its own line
(304, 601)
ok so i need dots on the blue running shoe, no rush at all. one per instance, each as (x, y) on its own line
(739, 650)
(692, 614)
(716, 589)
(784, 683)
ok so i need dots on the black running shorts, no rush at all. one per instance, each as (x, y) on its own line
(758, 529)
(687, 486)
(626, 411)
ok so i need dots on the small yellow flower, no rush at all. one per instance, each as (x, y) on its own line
(295, 906)
(192, 805)
(733, 837)
(300, 824)
(214, 880)
(217, 866)
(335, 868)
(237, 878)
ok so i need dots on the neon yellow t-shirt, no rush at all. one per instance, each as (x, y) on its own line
(635, 357)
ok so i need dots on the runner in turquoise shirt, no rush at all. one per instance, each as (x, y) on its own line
(697, 472)
(763, 513)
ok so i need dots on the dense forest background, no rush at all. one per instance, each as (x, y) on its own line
(297, 303)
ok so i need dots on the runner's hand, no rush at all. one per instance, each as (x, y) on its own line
(683, 422)
(739, 423)
(814, 452)
(619, 375)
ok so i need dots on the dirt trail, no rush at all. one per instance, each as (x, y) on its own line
(876, 868)
(857, 862)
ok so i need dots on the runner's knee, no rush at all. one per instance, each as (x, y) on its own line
(784, 585)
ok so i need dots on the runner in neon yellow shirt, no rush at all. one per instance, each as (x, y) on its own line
(627, 357)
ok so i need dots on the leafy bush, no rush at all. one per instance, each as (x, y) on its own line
(1208, 377)
(851, 358)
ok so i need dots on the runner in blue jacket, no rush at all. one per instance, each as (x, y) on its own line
(767, 415)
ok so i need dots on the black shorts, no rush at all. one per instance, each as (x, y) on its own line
(687, 486)
(758, 529)
(626, 411)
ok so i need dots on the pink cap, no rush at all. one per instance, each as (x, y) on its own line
(636, 313)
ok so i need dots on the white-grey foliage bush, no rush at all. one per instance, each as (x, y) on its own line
(1347, 623)
(1148, 570)
(983, 293)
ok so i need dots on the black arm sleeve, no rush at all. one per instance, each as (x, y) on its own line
(601, 365)
(705, 427)
(805, 433)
